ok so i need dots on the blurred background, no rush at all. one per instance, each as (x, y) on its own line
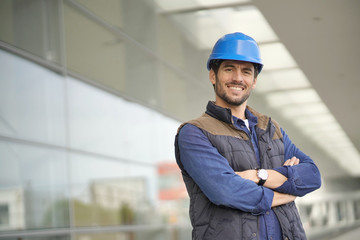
(92, 93)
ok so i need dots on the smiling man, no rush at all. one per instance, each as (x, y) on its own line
(241, 170)
(233, 82)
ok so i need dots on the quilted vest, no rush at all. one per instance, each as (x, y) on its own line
(211, 221)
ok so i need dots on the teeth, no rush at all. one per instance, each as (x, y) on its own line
(237, 88)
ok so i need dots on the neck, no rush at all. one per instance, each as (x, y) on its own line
(237, 111)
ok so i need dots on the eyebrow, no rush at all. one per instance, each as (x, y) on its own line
(248, 68)
(233, 66)
(229, 65)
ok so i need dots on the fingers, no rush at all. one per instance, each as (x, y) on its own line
(292, 162)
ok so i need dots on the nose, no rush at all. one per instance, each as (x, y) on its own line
(238, 76)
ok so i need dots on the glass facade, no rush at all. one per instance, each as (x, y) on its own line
(89, 96)
(74, 155)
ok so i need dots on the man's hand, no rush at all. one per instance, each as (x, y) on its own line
(275, 178)
(279, 198)
(292, 162)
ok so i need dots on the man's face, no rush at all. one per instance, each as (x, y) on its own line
(233, 82)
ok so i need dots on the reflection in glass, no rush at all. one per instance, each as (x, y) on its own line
(109, 192)
(57, 237)
(93, 51)
(106, 124)
(33, 187)
(111, 10)
(4, 215)
(31, 101)
(32, 26)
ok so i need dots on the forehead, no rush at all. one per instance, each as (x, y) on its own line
(237, 63)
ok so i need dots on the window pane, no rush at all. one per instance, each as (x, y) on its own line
(42, 238)
(109, 10)
(106, 124)
(31, 101)
(163, 233)
(33, 186)
(93, 51)
(32, 26)
(109, 192)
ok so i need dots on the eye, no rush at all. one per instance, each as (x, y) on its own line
(248, 72)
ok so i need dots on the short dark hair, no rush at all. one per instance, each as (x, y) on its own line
(215, 64)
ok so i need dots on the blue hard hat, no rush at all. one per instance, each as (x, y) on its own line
(236, 46)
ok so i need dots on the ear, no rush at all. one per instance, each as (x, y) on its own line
(212, 77)
(254, 83)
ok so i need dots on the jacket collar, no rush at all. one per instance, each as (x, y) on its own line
(225, 115)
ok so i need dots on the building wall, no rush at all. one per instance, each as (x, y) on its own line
(91, 93)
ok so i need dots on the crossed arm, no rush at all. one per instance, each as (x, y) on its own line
(275, 180)
(239, 190)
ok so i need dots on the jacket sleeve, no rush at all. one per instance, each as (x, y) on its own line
(302, 178)
(213, 174)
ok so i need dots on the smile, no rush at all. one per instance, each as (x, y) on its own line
(237, 88)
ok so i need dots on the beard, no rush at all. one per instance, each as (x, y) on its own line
(221, 93)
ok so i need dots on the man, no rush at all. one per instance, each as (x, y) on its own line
(241, 170)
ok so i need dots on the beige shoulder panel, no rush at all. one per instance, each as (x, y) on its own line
(216, 127)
